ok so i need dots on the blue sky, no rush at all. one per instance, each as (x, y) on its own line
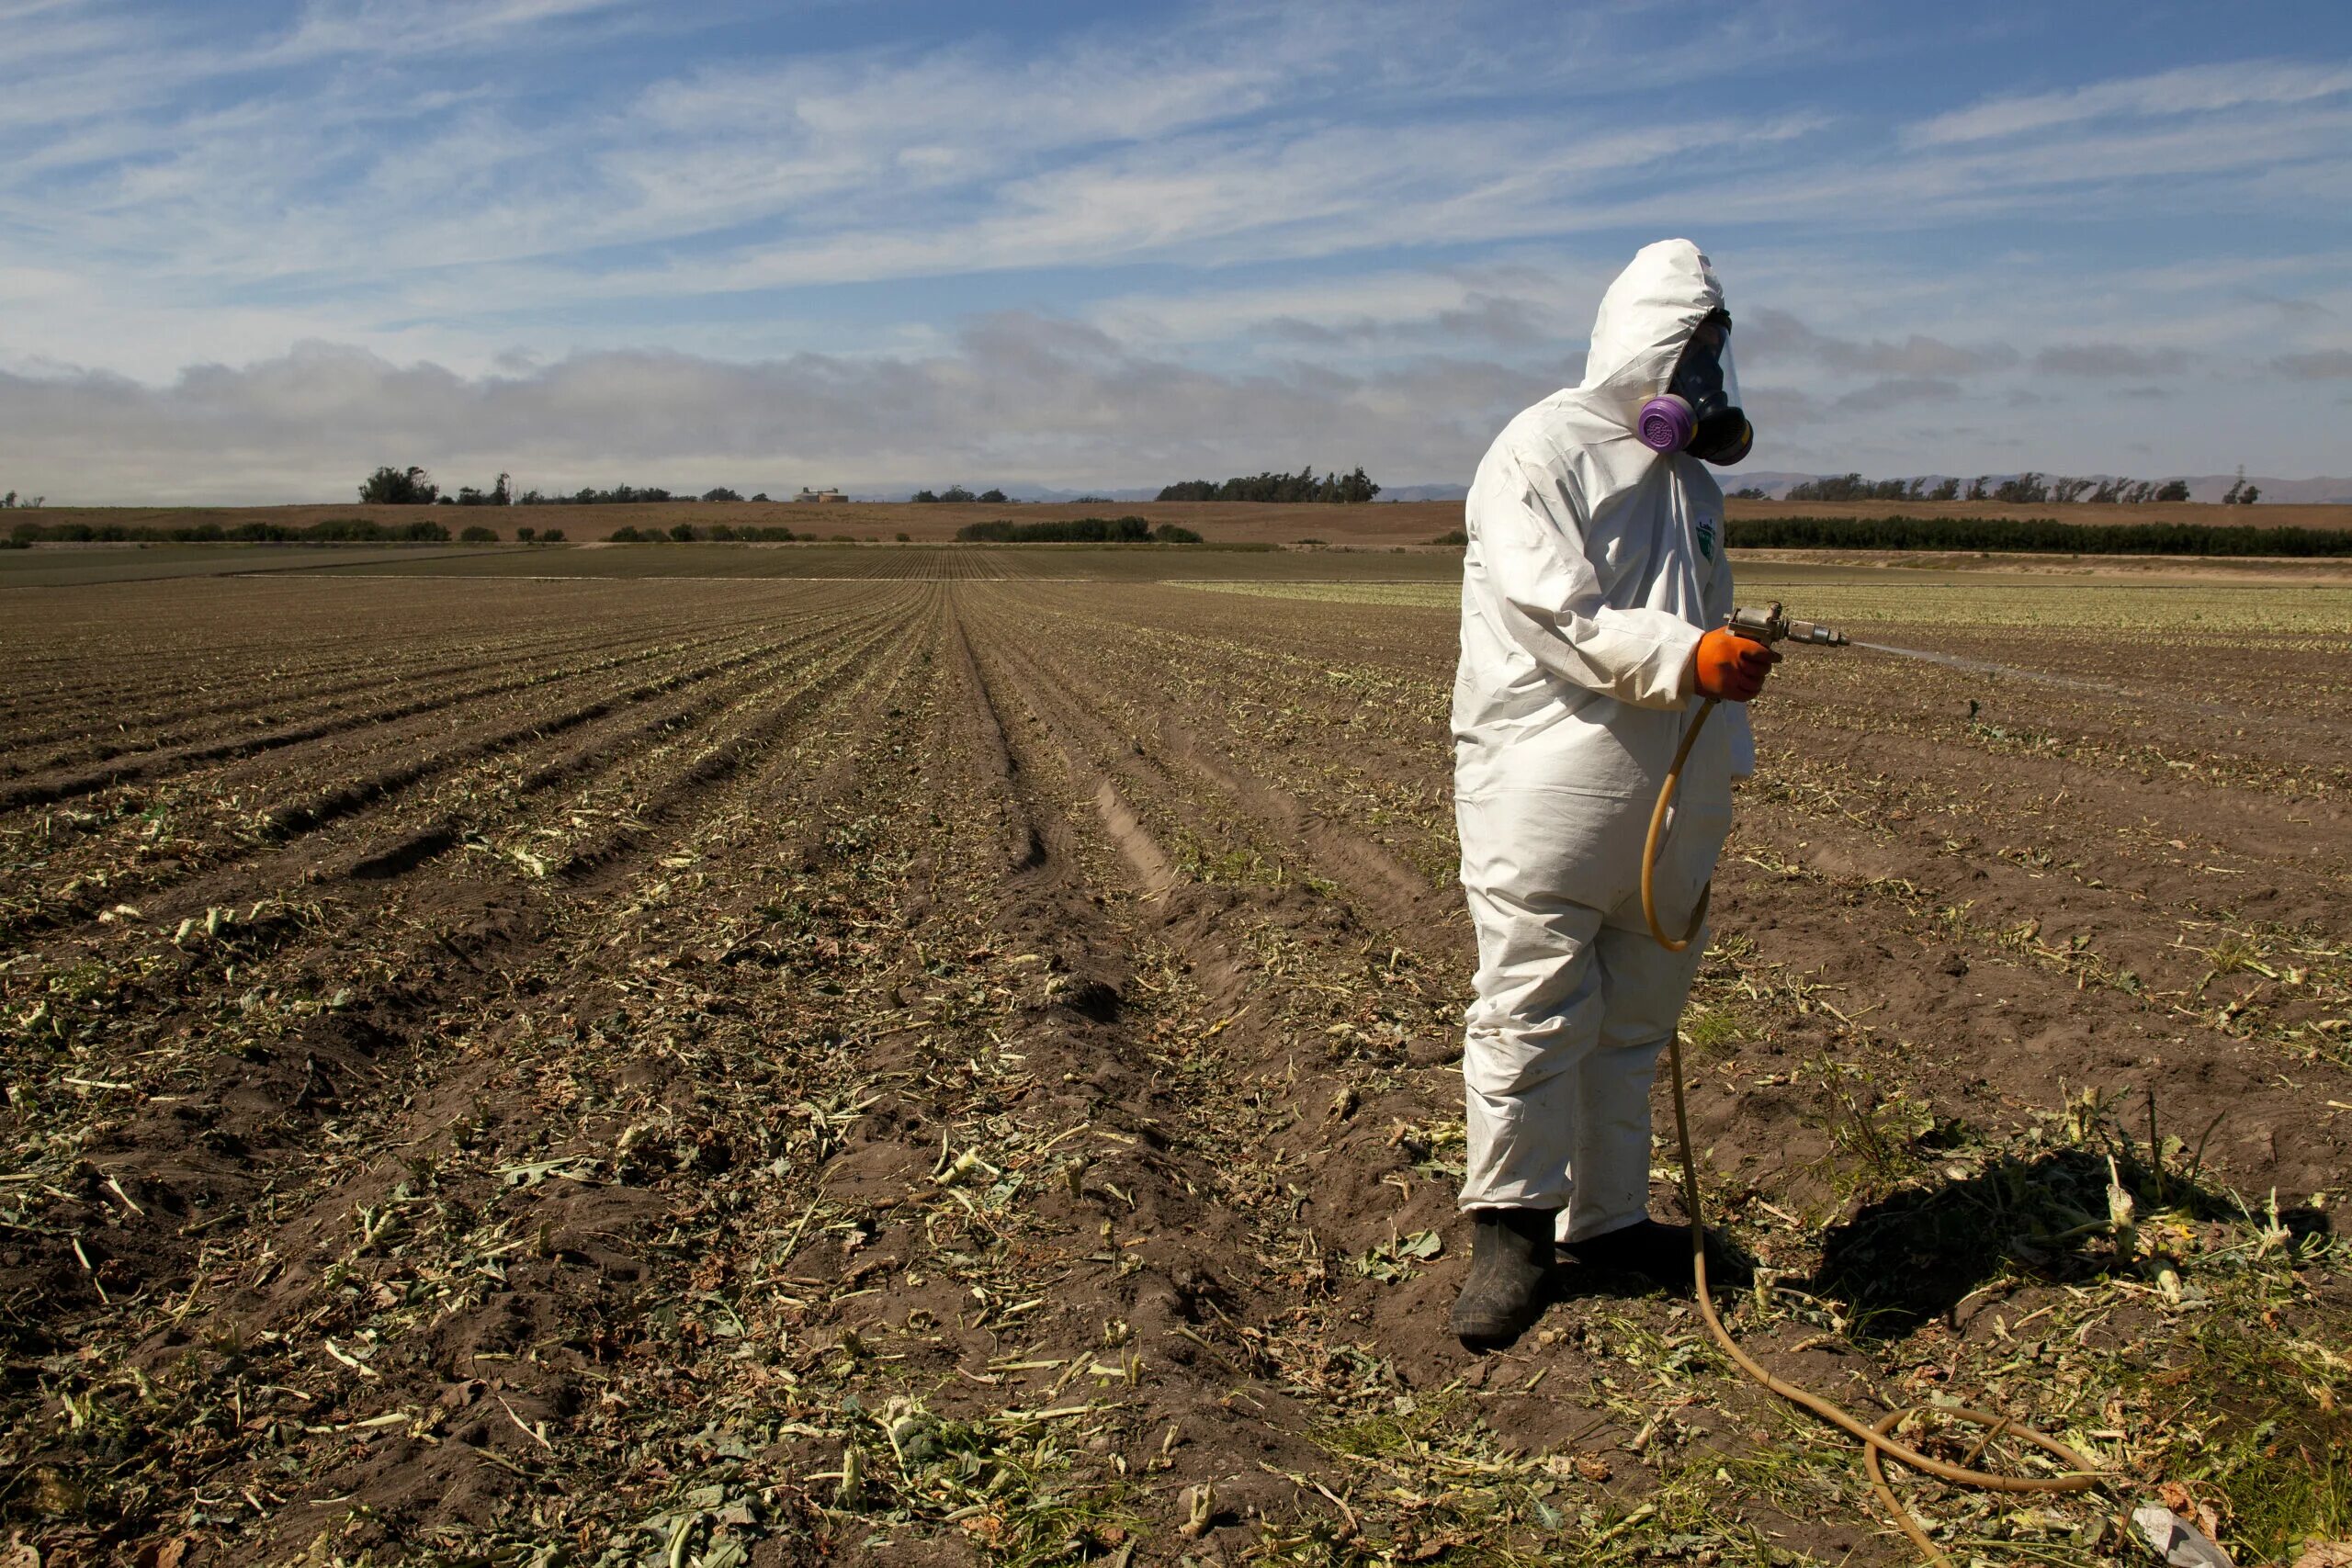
(247, 251)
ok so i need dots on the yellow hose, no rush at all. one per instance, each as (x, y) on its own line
(1658, 835)
(1878, 1440)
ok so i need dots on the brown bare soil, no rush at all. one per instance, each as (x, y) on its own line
(941, 1069)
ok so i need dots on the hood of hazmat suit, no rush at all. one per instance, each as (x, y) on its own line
(1595, 564)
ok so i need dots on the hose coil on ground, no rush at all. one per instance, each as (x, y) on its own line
(1878, 1440)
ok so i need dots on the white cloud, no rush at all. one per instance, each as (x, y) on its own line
(2168, 95)
(396, 173)
(2319, 365)
(1777, 334)
(2110, 361)
(409, 29)
(1020, 397)
(1254, 201)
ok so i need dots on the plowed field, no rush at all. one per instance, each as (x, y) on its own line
(930, 1069)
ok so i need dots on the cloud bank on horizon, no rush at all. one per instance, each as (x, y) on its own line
(250, 250)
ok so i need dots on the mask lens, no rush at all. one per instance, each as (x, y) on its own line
(1708, 379)
(1706, 376)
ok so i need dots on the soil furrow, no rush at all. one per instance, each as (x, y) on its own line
(604, 1260)
(313, 696)
(148, 766)
(938, 1067)
(444, 754)
(652, 810)
(457, 935)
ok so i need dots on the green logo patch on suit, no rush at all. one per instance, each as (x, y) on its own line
(1707, 539)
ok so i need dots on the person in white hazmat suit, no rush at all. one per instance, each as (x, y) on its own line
(1593, 594)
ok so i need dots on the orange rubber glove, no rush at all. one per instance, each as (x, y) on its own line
(1729, 666)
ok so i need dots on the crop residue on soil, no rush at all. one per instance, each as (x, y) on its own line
(651, 1071)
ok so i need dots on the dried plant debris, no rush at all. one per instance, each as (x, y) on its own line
(643, 1072)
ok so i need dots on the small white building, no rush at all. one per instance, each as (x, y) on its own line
(820, 495)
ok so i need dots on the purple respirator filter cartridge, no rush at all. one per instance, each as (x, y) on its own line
(1667, 424)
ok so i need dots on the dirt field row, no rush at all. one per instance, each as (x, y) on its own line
(671, 1072)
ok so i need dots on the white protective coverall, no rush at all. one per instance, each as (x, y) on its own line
(1594, 566)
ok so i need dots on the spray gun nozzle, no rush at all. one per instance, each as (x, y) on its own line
(1772, 626)
(1815, 633)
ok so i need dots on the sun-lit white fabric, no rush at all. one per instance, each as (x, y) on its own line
(1575, 1001)
(1594, 566)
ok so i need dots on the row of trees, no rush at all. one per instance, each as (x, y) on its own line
(331, 531)
(1078, 531)
(2016, 489)
(1343, 488)
(625, 495)
(2040, 535)
(11, 500)
(957, 492)
(389, 486)
(413, 486)
(686, 533)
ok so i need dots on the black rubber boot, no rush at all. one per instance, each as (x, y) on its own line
(1660, 1254)
(1510, 1253)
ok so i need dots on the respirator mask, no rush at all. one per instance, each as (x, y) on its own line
(1700, 412)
